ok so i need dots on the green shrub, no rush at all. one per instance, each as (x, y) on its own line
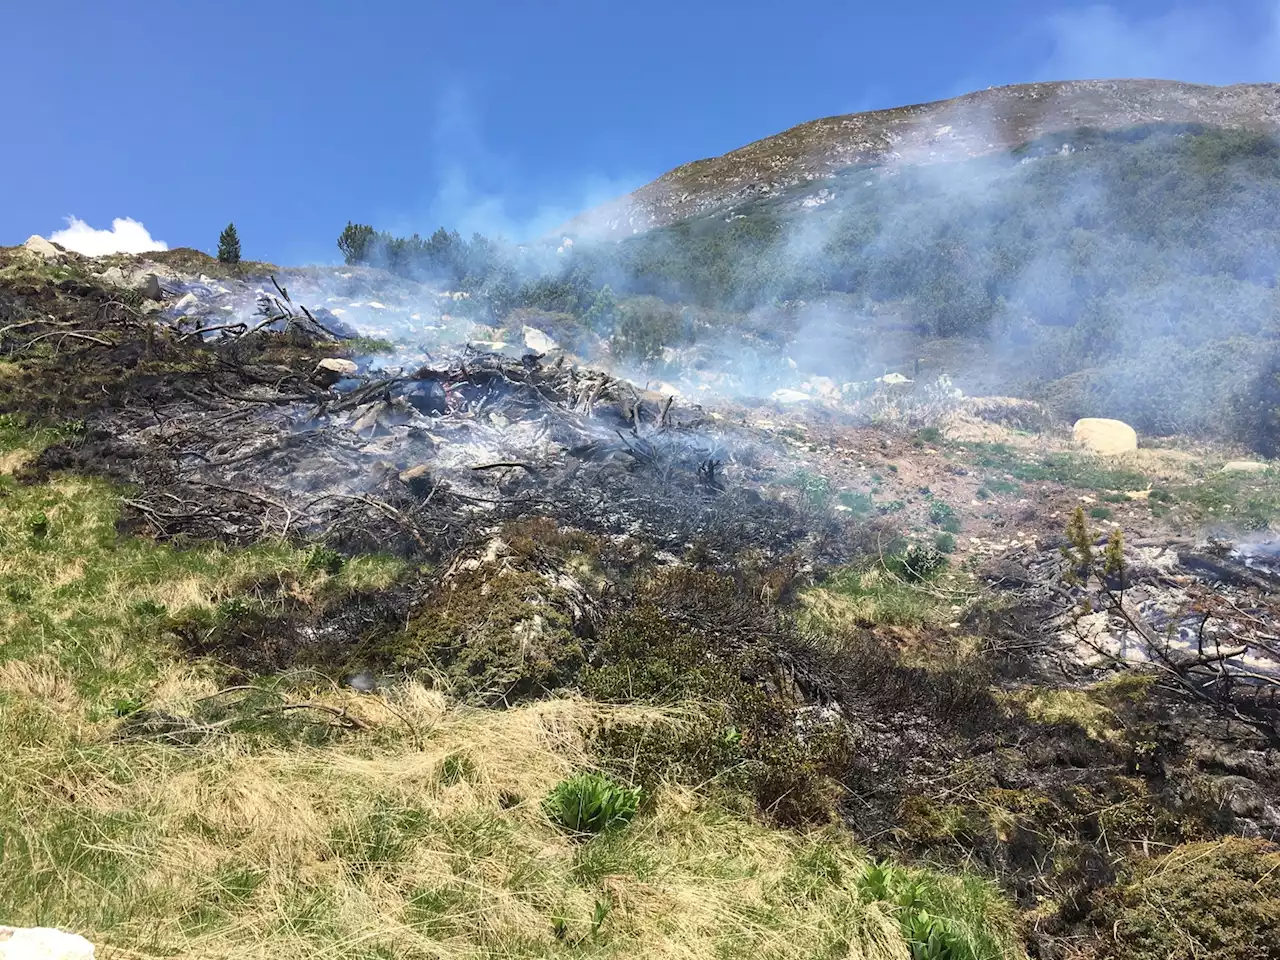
(592, 803)
(815, 489)
(945, 543)
(1205, 901)
(325, 559)
(857, 502)
(943, 515)
(916, 564)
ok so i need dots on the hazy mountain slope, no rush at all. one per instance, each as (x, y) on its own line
(978, 123)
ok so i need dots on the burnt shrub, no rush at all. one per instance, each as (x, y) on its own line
(706, 638)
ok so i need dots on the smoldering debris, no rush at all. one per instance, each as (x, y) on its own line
(238, 449)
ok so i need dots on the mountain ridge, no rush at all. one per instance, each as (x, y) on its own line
(977, 123)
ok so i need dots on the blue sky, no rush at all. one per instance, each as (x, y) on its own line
(292, 117)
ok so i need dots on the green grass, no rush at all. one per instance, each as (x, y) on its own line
(93, 605)
(1085, 473)
(421, 833)
(870, 596)
(1251, 501)
(365, 346)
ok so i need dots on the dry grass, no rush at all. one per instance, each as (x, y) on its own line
(396, 845)
(422, 834)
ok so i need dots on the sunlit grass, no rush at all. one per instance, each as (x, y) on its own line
(418, 829)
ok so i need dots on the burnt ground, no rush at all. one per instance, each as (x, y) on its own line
(564, 531)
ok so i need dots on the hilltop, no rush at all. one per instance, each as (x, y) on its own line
(977, 124)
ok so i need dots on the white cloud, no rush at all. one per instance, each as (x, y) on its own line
(1197, 42)
(125, 236)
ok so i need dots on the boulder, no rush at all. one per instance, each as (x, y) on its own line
(538, 342)
(1107, 438)
(42, 943)
(42, 248)
(148, 284)
(1244, 466)
(187, 303)
(893, 379)
(113, 276)
(332, 369)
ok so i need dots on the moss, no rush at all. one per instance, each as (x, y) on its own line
(1074, 707)
(1204, 901)
(494, 635)
(1126, 687)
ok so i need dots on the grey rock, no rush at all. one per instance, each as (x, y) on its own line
(148, 284)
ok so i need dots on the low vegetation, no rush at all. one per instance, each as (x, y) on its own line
(158, 807)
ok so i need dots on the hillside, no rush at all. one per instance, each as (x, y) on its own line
(962, 128)
(345, 617)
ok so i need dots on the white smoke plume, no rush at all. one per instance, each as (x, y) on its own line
(1196, 42)
(125, 236)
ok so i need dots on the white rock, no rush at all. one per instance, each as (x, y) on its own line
(538, 341)
(1105, 437)
(186, 303)
(332, 369)
(1244, 466)
(112, 275)
(42, 248)
(348, 368)
(42, 943)
(893, 379)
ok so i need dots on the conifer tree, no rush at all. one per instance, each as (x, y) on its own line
(229, 245)
(356, 242)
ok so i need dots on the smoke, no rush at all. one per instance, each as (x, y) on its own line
(479, 189)
(125, 236)
(1209, 43)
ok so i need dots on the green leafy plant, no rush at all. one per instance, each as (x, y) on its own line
(928, 936)
(38, 524)
(592, 803)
